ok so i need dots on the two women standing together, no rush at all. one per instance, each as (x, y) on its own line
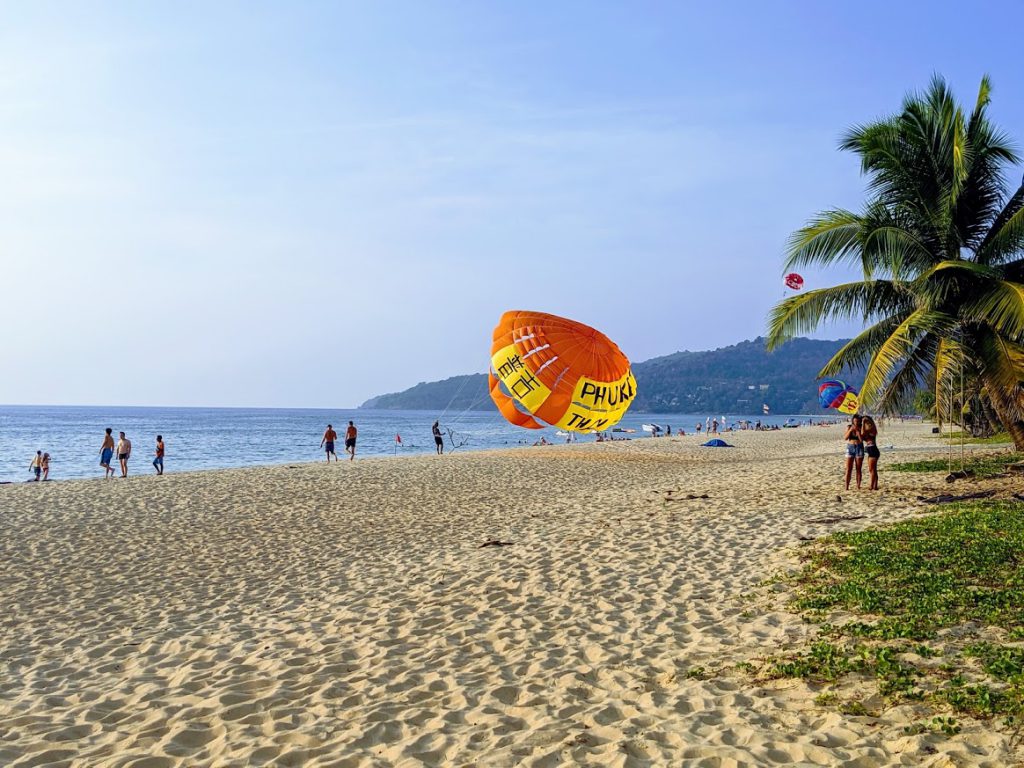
(862, 440)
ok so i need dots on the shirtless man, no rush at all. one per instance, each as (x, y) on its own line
(124, 452)
(350, 441)
(330, 436)
(107, 453)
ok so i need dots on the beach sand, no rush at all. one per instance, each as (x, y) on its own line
(347, 615)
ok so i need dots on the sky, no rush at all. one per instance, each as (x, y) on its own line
(305, 204)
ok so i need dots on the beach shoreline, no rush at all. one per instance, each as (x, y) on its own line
(579, 604)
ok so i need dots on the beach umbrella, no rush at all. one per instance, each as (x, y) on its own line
(839, 395)
(548, 370)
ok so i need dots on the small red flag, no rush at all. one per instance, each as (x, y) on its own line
(398, 438)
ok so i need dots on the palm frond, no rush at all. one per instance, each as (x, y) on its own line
(860, 300)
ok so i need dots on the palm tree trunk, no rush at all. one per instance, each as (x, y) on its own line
(1003, 407)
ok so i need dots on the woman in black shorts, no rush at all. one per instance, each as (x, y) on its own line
(869, 436)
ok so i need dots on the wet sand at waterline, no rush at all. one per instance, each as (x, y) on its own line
(347, 615)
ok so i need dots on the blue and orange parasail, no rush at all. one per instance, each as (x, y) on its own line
(839, 395)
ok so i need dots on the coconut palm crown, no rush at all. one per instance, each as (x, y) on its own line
(940, 243)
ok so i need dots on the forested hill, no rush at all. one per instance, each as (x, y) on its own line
(737, 380)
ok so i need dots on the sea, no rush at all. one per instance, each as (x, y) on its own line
(219, 438)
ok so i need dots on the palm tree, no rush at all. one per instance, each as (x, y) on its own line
(940, 243)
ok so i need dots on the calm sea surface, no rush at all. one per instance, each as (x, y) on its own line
(215, 438)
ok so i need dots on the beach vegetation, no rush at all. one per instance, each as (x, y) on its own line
(946, 577)
(983, 466)
(940, 248)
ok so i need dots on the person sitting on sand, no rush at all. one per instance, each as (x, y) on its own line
(107, 453)
(438, 438)
(124, 452)
(158, 461)
(45, 466)
(327, 443)
(36, 466)
(350, 441)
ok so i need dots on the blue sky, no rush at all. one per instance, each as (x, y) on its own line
(306, 204)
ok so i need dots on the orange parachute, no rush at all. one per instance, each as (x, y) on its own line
(549, 370)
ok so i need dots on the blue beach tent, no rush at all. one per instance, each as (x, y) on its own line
(716, 443)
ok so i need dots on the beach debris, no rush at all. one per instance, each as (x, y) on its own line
(833, 518)
(496, 543)
(1017, 467)
(948, 498)
(839, 498)
(961, 474)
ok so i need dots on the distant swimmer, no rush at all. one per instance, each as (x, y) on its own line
(350, 441)
(158, 460)
(36, 467)
(438, 439)
(124, 452)
(330, 437)
(107, 453)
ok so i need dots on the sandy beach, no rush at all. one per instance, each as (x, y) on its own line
(347, 614)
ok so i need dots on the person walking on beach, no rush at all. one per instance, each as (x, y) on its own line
(854, 450)
(350, 441)
(327, 443)
(124, 452)
(158, 460)
(869, 436)
(45, 465)
(438, 439)
(36, 467)
(107, 453)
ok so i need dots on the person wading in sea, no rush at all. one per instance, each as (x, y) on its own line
(438, 438)
(327, 443)
(107, 453)
(350, 441)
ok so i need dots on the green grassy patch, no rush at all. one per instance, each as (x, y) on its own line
(903, 585)
(999, 438)
(985, 465)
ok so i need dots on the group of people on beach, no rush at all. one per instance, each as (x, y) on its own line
(861, 438)
(331, 437)
(123, 450)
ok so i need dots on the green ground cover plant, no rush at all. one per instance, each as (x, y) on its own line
(987, 465)
(903, 585)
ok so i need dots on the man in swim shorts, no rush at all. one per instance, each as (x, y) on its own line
(328, 443)
(438, 439)
(107, 453)
(124, 452)
(350, 441)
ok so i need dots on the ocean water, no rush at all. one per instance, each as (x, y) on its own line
(217, 438)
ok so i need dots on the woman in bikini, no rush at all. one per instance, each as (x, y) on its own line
(869, 435)
(854, 450)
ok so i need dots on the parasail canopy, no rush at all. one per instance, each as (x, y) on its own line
(839, 395)
(794, 281)
(546, 370)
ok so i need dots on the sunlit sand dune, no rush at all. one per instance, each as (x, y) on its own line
(348, 615)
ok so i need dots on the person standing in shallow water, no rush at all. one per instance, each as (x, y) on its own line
(327, 443)
(124, 452)
(107, 453)
(158, 461)
(350, 441)
(36, 467)
(438, 438)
